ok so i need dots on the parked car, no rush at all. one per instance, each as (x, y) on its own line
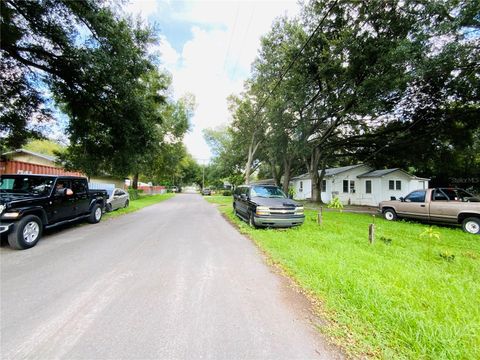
(266, 206)
(441, 205)
(117, 199)
(31, 203)
(174, 189)
(206, 191)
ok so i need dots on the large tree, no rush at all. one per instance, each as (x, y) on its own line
(96, 66)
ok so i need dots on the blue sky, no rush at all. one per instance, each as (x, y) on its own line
(208, 47)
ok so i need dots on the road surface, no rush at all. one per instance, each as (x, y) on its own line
(171, 281)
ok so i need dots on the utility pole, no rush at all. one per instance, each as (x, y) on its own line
(203, 162)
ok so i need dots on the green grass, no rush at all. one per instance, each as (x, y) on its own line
(135, 205)
(395, 299)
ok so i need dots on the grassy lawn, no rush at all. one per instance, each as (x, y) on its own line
(406, 296)
(143, 201)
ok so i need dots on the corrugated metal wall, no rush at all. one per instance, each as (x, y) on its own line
(19, 167)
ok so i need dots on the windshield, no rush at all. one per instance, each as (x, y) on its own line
(267, 192)
(25, 185)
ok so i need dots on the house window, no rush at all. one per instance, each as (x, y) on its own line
(352, 186)
(301, 186)
(368, 186)
(345, 186)
(324, 185)
(391, 185)
(398, 184)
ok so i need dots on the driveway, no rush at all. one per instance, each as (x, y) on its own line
(173, 280)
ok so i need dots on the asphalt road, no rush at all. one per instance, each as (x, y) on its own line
(174, 280)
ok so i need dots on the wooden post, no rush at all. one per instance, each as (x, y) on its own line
(371, 233)
(319, 217)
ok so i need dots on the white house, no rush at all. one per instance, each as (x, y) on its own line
(360, 184)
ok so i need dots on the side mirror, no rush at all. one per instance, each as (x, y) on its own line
(243, 196)
(402, 199)
(290, 196)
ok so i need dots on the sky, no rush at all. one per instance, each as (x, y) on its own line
(208, 47)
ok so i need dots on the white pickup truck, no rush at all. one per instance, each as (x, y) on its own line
(441, 205)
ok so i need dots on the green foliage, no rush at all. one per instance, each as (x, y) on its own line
(386, 302)
(430, 233)
(45, 147)
(96, 65)
(447, 255)
(291, 192)
(362, 84)
(335, 203)
(227, 193)
(134, 193)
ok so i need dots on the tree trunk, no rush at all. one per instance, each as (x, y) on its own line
(252, 149)
(248, 166)
(135, 181)
(287, 169)
(313, 171)
(275, 173)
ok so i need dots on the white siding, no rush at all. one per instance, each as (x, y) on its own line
(353, 198)
(380, 187)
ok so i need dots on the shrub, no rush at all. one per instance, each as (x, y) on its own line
(335, 203)
(227, 193)
(134, 193)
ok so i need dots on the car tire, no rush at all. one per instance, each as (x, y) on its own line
(251, 220)
(26, 233)
(127, 203)
(108, 208)
(95, 215)
(471, 225)
(390, 214)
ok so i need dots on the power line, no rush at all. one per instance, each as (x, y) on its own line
(295, 59)
(231, 36)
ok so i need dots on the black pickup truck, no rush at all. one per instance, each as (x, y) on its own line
(30, 203)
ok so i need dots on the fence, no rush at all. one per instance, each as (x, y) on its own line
(152, 190)
(20, 167)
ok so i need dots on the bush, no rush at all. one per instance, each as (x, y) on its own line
(134, 193)
(227, 193)
(335, 204)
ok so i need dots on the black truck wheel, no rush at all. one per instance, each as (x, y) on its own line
(26, 233)
(95, 214)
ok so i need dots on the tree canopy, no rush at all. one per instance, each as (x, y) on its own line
(352, 81)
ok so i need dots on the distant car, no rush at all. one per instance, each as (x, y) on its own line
(118, 198)
(206, 191)
(174, 189)
(266, 206)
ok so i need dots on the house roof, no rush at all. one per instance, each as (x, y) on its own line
(370, 174)
(330, 172)
(383, 172)
(338, 170)
(19, 151)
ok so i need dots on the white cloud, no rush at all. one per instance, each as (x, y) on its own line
(214, 63)
(142, 8)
